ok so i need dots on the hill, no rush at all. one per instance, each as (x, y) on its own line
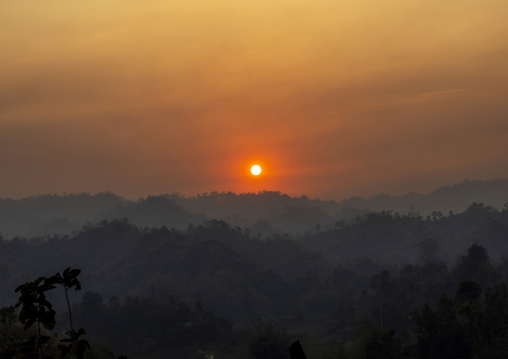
(263, 214)
(372, 271)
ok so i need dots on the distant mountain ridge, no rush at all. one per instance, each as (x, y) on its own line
(263, 213)
(455, 197)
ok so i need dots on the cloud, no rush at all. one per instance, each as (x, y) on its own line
(437, 93)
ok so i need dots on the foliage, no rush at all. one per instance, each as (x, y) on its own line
(470, 326)
(152, 325)
(36, 309)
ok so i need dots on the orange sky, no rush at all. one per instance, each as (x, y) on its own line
(335, 98)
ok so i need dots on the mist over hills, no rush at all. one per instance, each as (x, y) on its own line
(263, 213)
(454, 198)
(243, 277)
(217, 262)
(317, 267)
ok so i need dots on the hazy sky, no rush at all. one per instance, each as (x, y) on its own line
(333, 98)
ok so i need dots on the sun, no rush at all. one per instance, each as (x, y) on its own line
(255, 170)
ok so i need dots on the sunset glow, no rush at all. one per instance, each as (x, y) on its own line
(345, 98)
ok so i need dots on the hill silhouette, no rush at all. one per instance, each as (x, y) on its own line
(263, 214)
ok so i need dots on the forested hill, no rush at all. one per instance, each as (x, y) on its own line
(263, 214)
(374, 271)
(236, 273)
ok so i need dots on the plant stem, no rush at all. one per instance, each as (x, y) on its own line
(68, 307)
(40, 352)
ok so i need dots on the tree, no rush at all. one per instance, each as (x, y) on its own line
(492, 324)
(438, 333)
(35, 308)
(475, 266)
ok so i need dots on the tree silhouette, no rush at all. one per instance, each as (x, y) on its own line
(35, 308)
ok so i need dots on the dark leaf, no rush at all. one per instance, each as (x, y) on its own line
(75, 272)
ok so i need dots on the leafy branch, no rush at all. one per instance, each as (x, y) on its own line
(35, 308)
